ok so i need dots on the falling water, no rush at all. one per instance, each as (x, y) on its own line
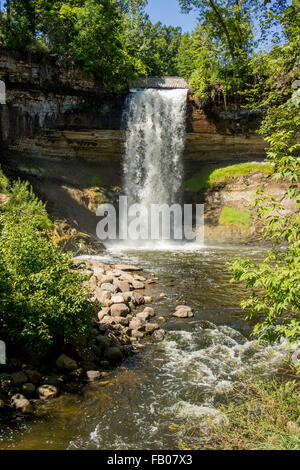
(155, 136)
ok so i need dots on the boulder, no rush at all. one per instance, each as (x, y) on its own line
(21, 403)
(137, 334)
(113, 354)
(138, 298)
(47, 392)
(107, 320)
(182, 311)
(66, 363)
(52, 380)
(119, 310)
(103, 341)
(109, 287)
(19, 378)
(117, 299)
(159, 335)
(149, 311)
(137, 324)
(124, 321)
(124, 286)
(106, 280)
(138, 285)
(28, 388)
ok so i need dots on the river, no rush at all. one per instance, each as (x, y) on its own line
(185, 377)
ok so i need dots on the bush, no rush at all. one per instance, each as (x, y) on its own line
(42, 303)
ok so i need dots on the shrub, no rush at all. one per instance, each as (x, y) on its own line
(42, 303)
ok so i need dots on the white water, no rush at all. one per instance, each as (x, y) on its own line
(155, 137)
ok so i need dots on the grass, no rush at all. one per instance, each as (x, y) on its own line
(265, 416)
(239, 218)
(208, 178)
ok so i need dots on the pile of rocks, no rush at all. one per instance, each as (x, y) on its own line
(116, 287)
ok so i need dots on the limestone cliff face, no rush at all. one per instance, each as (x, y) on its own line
(62, 132)
(48, 92)
(54, 108)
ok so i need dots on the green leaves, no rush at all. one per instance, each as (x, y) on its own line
(275, 283)
(42, 303)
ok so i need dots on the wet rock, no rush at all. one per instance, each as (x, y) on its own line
(182, 311)
(124, 286)
(109, 287)
(113, 354)
(21, 403)
(66, 363)
(127, 267)
(88, 365)
(28, 388)
(124, 321)
(151, 327)
(52, 380)
(103, 341)
(93, 375)
(46, 392)
(159, 335)
(19, 378)
(162, 295)
(119, 310)
(148, 299)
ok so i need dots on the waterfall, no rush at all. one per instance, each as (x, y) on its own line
(155, 121)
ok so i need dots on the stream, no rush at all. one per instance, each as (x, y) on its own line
(185, 377)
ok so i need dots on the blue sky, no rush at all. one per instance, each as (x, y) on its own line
(168, 12)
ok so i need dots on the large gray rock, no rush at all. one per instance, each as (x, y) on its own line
(119, 310)
(21, 403)
(113, 354)
(46, 392)
(66, 363)
(19, 378)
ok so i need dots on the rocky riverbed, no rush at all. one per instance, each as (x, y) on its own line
(123, 321)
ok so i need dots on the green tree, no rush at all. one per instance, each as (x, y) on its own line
(274, 283)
